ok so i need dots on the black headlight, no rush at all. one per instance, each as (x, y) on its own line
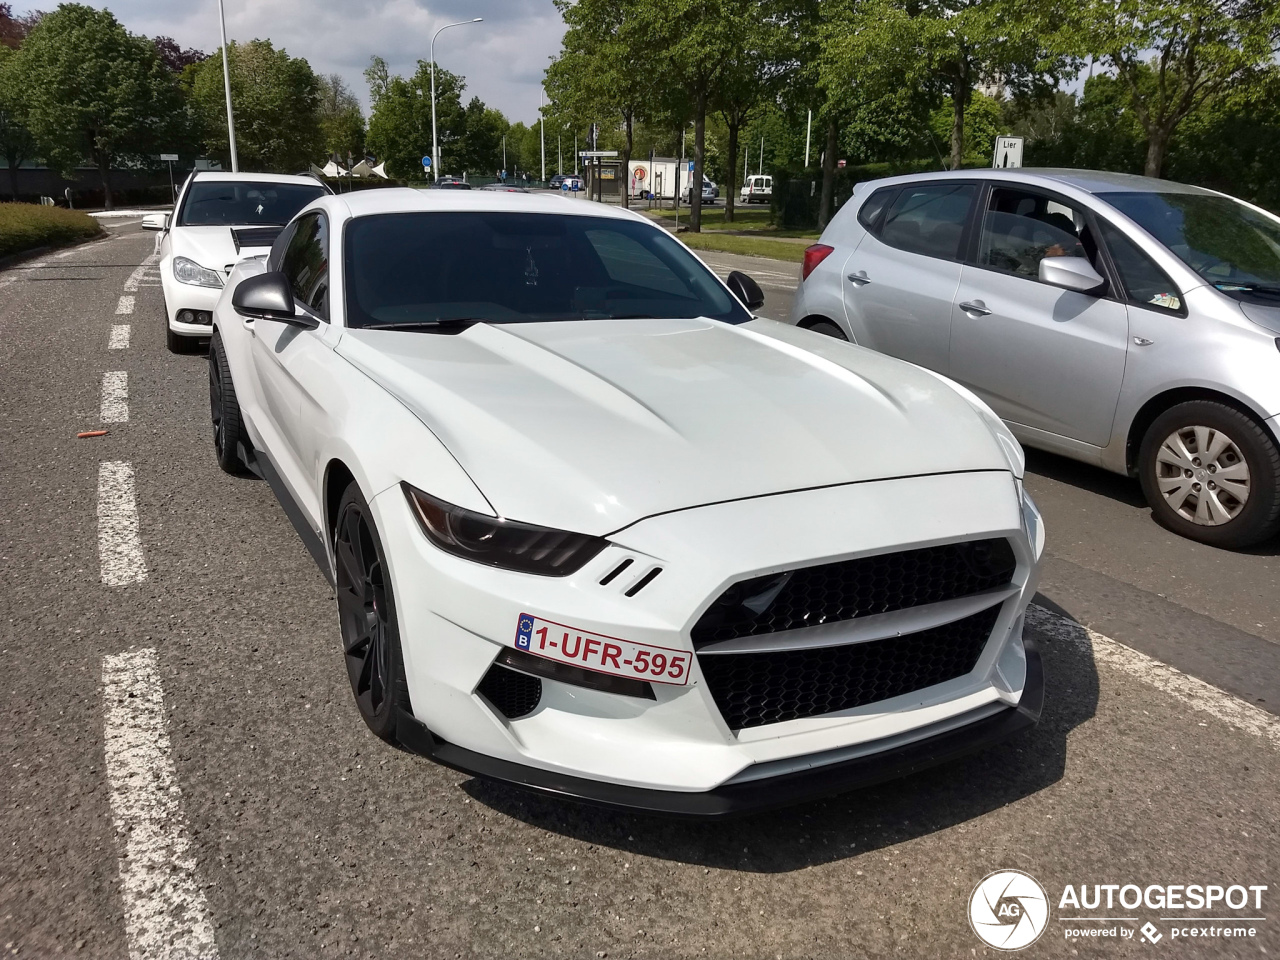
(501, 543)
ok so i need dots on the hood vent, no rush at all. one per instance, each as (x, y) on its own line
(254, 236)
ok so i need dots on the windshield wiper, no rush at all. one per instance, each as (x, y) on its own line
(1229, 287)
(451, 324)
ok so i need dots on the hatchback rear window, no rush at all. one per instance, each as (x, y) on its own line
(929, 219)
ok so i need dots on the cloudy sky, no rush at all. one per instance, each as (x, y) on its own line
(502, 58)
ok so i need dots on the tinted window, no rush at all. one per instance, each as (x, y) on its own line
(871, 210)
(1021, 227)
(517, 267)
(306, 263)
(1144, 282)
(929, 219)
(227, 202)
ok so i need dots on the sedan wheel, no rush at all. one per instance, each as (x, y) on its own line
(366, 611)
(1212, 474)
(224, 411)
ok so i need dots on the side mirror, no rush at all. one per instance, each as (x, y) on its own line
(746, 290)
(155, 221)
(1071, 273)
(268, 297)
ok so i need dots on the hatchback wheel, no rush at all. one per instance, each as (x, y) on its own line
(827, 329)
(367, 613)
(1211, 473)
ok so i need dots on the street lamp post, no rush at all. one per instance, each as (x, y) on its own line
(435, 143)
(226, 80)
(542, 133)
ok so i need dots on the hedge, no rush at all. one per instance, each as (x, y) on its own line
(25, 226)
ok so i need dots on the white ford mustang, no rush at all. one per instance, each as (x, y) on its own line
(219, 219)
(588, 534)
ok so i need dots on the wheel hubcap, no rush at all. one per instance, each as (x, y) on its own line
(363, 611)
(1203, 475)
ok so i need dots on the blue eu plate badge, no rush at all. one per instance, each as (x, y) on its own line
(525, 633)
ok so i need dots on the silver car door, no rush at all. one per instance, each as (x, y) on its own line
(900, 281)
(1042, 356)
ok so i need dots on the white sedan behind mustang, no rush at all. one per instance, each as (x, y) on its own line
(597, 531)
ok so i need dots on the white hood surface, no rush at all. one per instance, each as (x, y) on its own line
(593, 425)
(212, 247)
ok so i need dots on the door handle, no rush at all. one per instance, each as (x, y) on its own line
(860, 278)
(975, 308)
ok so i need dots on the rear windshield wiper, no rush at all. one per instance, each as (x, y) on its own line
(451, 324)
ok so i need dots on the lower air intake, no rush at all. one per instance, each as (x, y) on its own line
(512, 694)
(754, 689)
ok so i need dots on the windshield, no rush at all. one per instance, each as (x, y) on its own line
(1230, 245)
(431, 268)
(220, 203)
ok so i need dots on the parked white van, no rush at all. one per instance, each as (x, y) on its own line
(757, 189)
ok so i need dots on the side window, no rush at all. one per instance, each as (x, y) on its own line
(874, 206)
(929, 219)
(1021, 227)
(1144, 282)
(306, 264)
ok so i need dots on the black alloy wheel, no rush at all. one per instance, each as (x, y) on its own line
(366, 611)
(224, 411)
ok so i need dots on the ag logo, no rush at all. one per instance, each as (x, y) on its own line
(1008, 910)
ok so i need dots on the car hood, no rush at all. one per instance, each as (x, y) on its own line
(215, 247)
(593, 425)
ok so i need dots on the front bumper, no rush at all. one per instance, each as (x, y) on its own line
(751, 795)
(179, 297)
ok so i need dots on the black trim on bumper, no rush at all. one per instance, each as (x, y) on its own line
(751, 796)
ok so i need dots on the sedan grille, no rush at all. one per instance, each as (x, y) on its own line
(847, 589)
(753, 689)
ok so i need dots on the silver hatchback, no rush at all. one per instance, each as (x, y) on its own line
(1127, 322)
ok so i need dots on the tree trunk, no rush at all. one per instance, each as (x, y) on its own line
(825, 205)
(1157, 145)
(959, 100)
(13, 178)
(626, 160)
(699, 138)
(104, 169)
(731, 183)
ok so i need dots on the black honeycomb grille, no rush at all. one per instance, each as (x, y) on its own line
(847, 589)
(753, 689)
(513, 694)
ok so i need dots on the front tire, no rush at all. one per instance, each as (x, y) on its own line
(1212, 474)
(827, 329)
(224, 411)
(367, 614)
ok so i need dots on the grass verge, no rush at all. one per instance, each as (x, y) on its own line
(745, 219)
(25, 226)
(746, 246)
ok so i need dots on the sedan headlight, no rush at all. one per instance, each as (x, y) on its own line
(501, 543)
(188, 271)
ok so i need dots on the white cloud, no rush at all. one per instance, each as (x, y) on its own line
(502, 58)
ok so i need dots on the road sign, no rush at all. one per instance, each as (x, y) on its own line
(169, 156)
(589, 154)
(1008, 152)
(641, 173)
(426, 163)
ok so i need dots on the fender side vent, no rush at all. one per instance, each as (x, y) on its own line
(613, 574)
(512, 694)
(643, 582)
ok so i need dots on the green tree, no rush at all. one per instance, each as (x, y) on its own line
(276, 101)
(1175, 57)
(341, 119)
(94, 90)
(16, 142)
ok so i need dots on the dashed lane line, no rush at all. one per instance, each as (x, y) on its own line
(139, 275)
(119, 542)
(1189, 690)
(125, 305)
(119, 336)
(166, 912)
(115, 397)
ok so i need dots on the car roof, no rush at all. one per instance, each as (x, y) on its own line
(222, 175)
(364, 203)
(1090, 181)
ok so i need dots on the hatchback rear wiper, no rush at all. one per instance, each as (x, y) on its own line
(451, 324)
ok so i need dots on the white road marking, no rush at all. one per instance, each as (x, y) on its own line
(135, 278)
(119, 544)
(165, 911)
(64, 253)
(119, 337)
(125, 305)
(115, 397)
(1194, 693)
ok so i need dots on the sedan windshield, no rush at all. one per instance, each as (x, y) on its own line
(221, 203)
(428, 269)
(1230, 245)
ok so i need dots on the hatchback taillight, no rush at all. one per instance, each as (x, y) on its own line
(813, 256)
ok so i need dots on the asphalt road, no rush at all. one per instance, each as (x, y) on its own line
(185, 775)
